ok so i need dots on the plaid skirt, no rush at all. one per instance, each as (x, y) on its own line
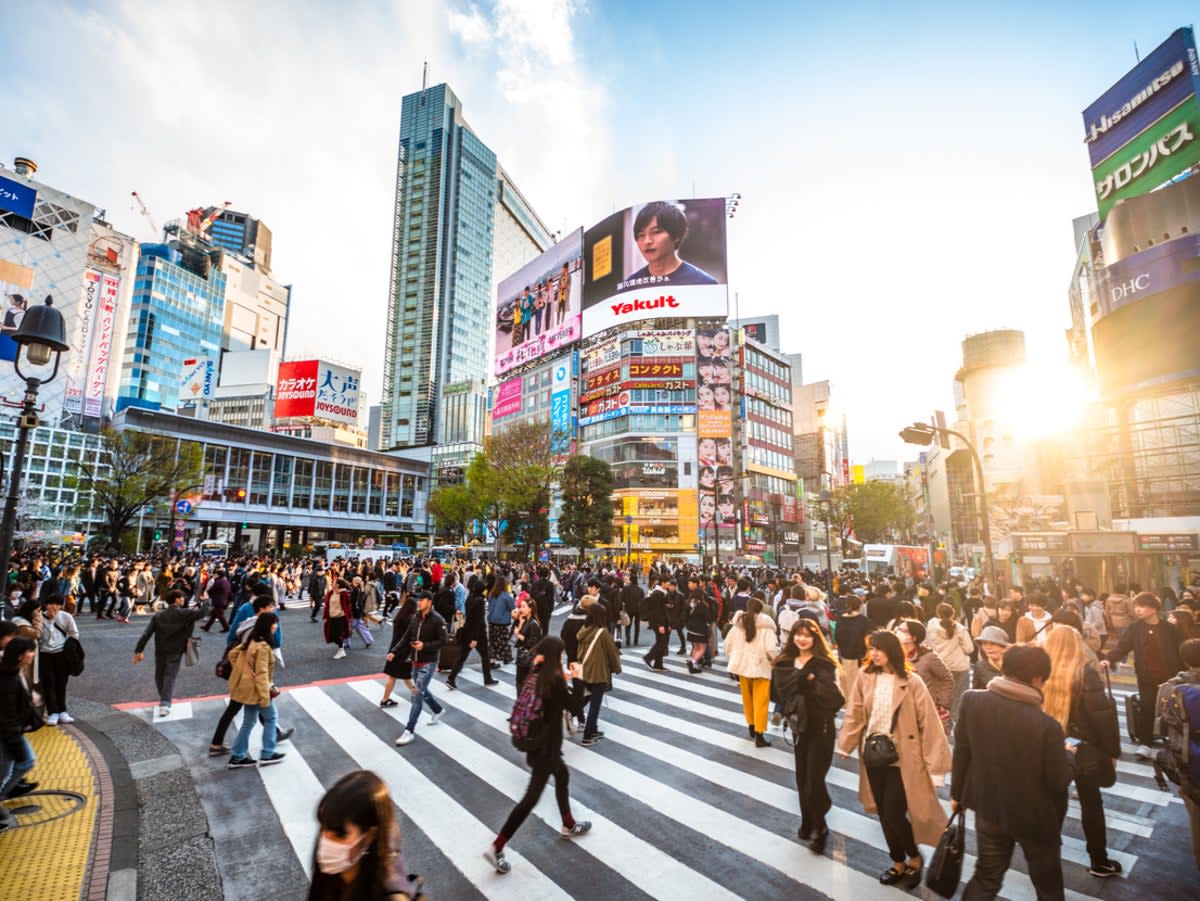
(500, 643)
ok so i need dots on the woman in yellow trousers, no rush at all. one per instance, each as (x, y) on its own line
(751, 647)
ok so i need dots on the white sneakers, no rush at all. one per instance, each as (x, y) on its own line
(341, 652)
(405, 738)
(435, 718)
(164, 710)
(65, 718)
(496, 859)
(1142, 751)
(52, 719)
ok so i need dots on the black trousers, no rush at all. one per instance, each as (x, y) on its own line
(53, 670)
(679, 630)
(1091, 810)
(542, 771)
(814, 755)
(166, 669)
(1148, 693)
(482, 647)
(1042, 857)
(888, 788)
(636, 626)
(662, 647)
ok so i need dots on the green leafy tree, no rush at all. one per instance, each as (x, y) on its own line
(510, 481)
(138, 469)
(586, 486)
(878, 511)
(454, 508)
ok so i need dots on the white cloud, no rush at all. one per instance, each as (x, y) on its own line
(292, 113)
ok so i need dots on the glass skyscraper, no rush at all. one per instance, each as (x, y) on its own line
(459, 225)
(177, 312)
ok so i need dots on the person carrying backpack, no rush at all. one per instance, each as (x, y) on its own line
(536, 727)
(1178, 721)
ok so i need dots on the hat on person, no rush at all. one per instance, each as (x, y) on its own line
(995, 635)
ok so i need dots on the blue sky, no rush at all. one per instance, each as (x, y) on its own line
(909, 173)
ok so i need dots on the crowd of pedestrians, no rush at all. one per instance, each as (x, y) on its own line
(931, 682)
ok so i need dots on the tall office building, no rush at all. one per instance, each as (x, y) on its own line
(459, 223)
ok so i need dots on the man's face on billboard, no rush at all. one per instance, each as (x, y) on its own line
(654, 243)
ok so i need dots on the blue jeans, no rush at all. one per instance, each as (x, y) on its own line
(16, 759)
(422, 673)
(241, 745)
(593, 715)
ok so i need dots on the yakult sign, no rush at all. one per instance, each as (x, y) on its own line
(664, 259)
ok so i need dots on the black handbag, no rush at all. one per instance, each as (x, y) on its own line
(880, 750)
(945, 867)
(72, 652)
(1090, 760)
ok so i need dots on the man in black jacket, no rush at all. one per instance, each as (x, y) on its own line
(1015, 801)
(425, 636)
(659, 622)
(1155, 646)
(318, 584)
(171, 628)
(631, 603)
(472, 637)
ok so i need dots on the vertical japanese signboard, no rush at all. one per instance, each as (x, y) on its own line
(102, 345)
(561, 430)
(81, 341)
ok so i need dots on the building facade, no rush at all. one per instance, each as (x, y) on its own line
(458, 222)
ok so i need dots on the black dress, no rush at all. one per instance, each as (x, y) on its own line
(397, 668)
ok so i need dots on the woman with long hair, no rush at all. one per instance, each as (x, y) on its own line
(527, 632)
(1006, 618)
(357, 857)
(252, 662)
(399, 667)
(1185, 622)
(950, 640)
(889, 699)
(546, 759)
(698, 620)
(750, 649)
(805, 677)
(500, 606)
(1075, 696)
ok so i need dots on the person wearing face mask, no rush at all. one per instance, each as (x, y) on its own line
(357, 857)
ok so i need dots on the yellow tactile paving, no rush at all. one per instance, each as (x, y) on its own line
(58, 835)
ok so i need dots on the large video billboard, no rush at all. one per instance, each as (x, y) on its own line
(537, 307)
(664, 259)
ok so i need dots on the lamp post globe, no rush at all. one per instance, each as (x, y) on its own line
(43, 334)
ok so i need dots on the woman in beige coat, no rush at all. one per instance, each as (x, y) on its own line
(750, 648)
(889, 699)
(252, 663)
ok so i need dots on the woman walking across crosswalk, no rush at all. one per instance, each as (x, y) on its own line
(806, 679)
(750, 648)
(547, 759)
(892, 722)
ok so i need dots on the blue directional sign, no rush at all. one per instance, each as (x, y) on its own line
(17, 198)
(183, 508)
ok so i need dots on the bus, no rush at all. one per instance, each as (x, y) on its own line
(444, 552)
(214, 548)
(906, 561)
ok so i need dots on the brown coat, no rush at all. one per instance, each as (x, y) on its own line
(920, 741)
(250, 679)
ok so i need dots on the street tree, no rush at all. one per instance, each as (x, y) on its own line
(586, 486)
(875, 510)
(136, 470)
(454, 508)
(510, 482)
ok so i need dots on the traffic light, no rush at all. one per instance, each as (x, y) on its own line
(158, 534)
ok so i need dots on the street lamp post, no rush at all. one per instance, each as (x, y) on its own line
(826, 499)
(922, 433)
(40, 339)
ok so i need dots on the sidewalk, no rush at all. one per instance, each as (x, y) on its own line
(115, 817)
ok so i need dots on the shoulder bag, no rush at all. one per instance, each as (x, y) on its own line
(880, 750)
(73, 653)
(191, 651)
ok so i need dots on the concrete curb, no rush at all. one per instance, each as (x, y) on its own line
(161, 842)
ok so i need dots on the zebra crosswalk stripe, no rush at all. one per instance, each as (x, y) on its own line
(857, 826)
(658, 873)
(434, 811)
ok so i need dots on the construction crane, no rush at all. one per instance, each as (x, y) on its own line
(141, 207)
(212, 217)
